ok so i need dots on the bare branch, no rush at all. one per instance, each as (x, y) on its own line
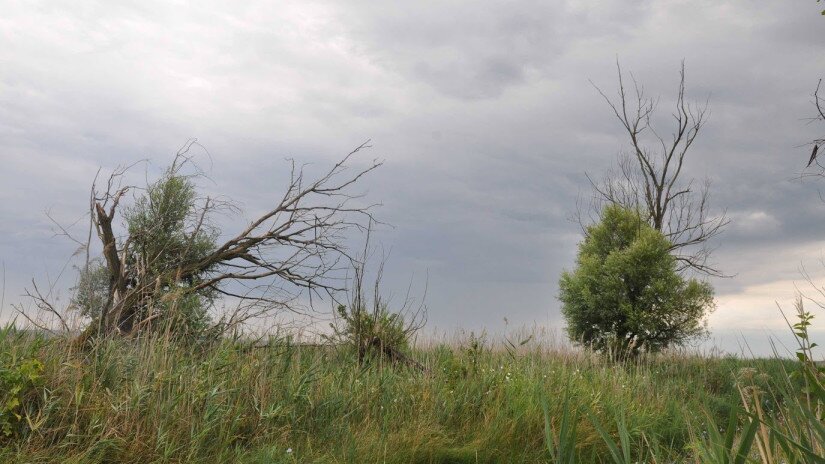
(298, 246)
(650, 178)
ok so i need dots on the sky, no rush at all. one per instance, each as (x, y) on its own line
(484, 113)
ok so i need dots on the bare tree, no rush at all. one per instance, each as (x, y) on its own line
(819, 103)
(650, 176)
(297, 247)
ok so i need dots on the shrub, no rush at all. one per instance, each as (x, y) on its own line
(372, 331)
(19, 376)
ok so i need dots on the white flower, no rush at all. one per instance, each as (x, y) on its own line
(288, 450)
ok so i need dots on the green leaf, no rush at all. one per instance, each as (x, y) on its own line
(747, 442)
(612, 446)
(12, 403)
(548, 437)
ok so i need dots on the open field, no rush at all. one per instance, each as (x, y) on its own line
(234, 232)
(153, 401)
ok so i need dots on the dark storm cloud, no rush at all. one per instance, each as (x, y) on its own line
(479, 51)
(483, 112)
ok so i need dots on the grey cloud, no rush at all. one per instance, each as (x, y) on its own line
(483, 113)
(477, 51)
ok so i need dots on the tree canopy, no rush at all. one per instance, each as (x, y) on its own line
(626, 294)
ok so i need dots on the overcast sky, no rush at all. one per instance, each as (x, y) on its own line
(483, 112)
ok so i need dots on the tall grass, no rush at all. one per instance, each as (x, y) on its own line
(780, 420)
(151, 400)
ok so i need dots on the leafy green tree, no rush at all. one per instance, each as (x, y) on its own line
(166, 233)
(626, 294)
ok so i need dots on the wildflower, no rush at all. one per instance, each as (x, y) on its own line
(288, 450)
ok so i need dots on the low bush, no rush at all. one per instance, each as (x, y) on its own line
(20, 375)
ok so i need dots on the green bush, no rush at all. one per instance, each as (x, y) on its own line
(626, 295)
(19, 377)
(366, 329)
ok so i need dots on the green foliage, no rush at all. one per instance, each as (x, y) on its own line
(810, 405)
(792, 433)
(164, 227)
(474, 351)
(186, 313)
(626, 295)
(716, 448)
(804, 352)
(19, 377)
(364, 329)
(561, 440)
(619, 451)
(168, 232)
(91, 293)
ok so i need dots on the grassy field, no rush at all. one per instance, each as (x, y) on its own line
(153, 401)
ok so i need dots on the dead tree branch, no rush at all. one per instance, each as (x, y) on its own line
(650, 177)
(297, 247)
(819, 104)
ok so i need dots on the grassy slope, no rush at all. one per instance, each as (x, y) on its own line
(153, 401)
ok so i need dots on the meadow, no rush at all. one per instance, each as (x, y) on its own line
(476, 401)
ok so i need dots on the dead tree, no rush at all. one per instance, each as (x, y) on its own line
(819, 104)
(297, 247)
(367, 323)
(649, 176)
